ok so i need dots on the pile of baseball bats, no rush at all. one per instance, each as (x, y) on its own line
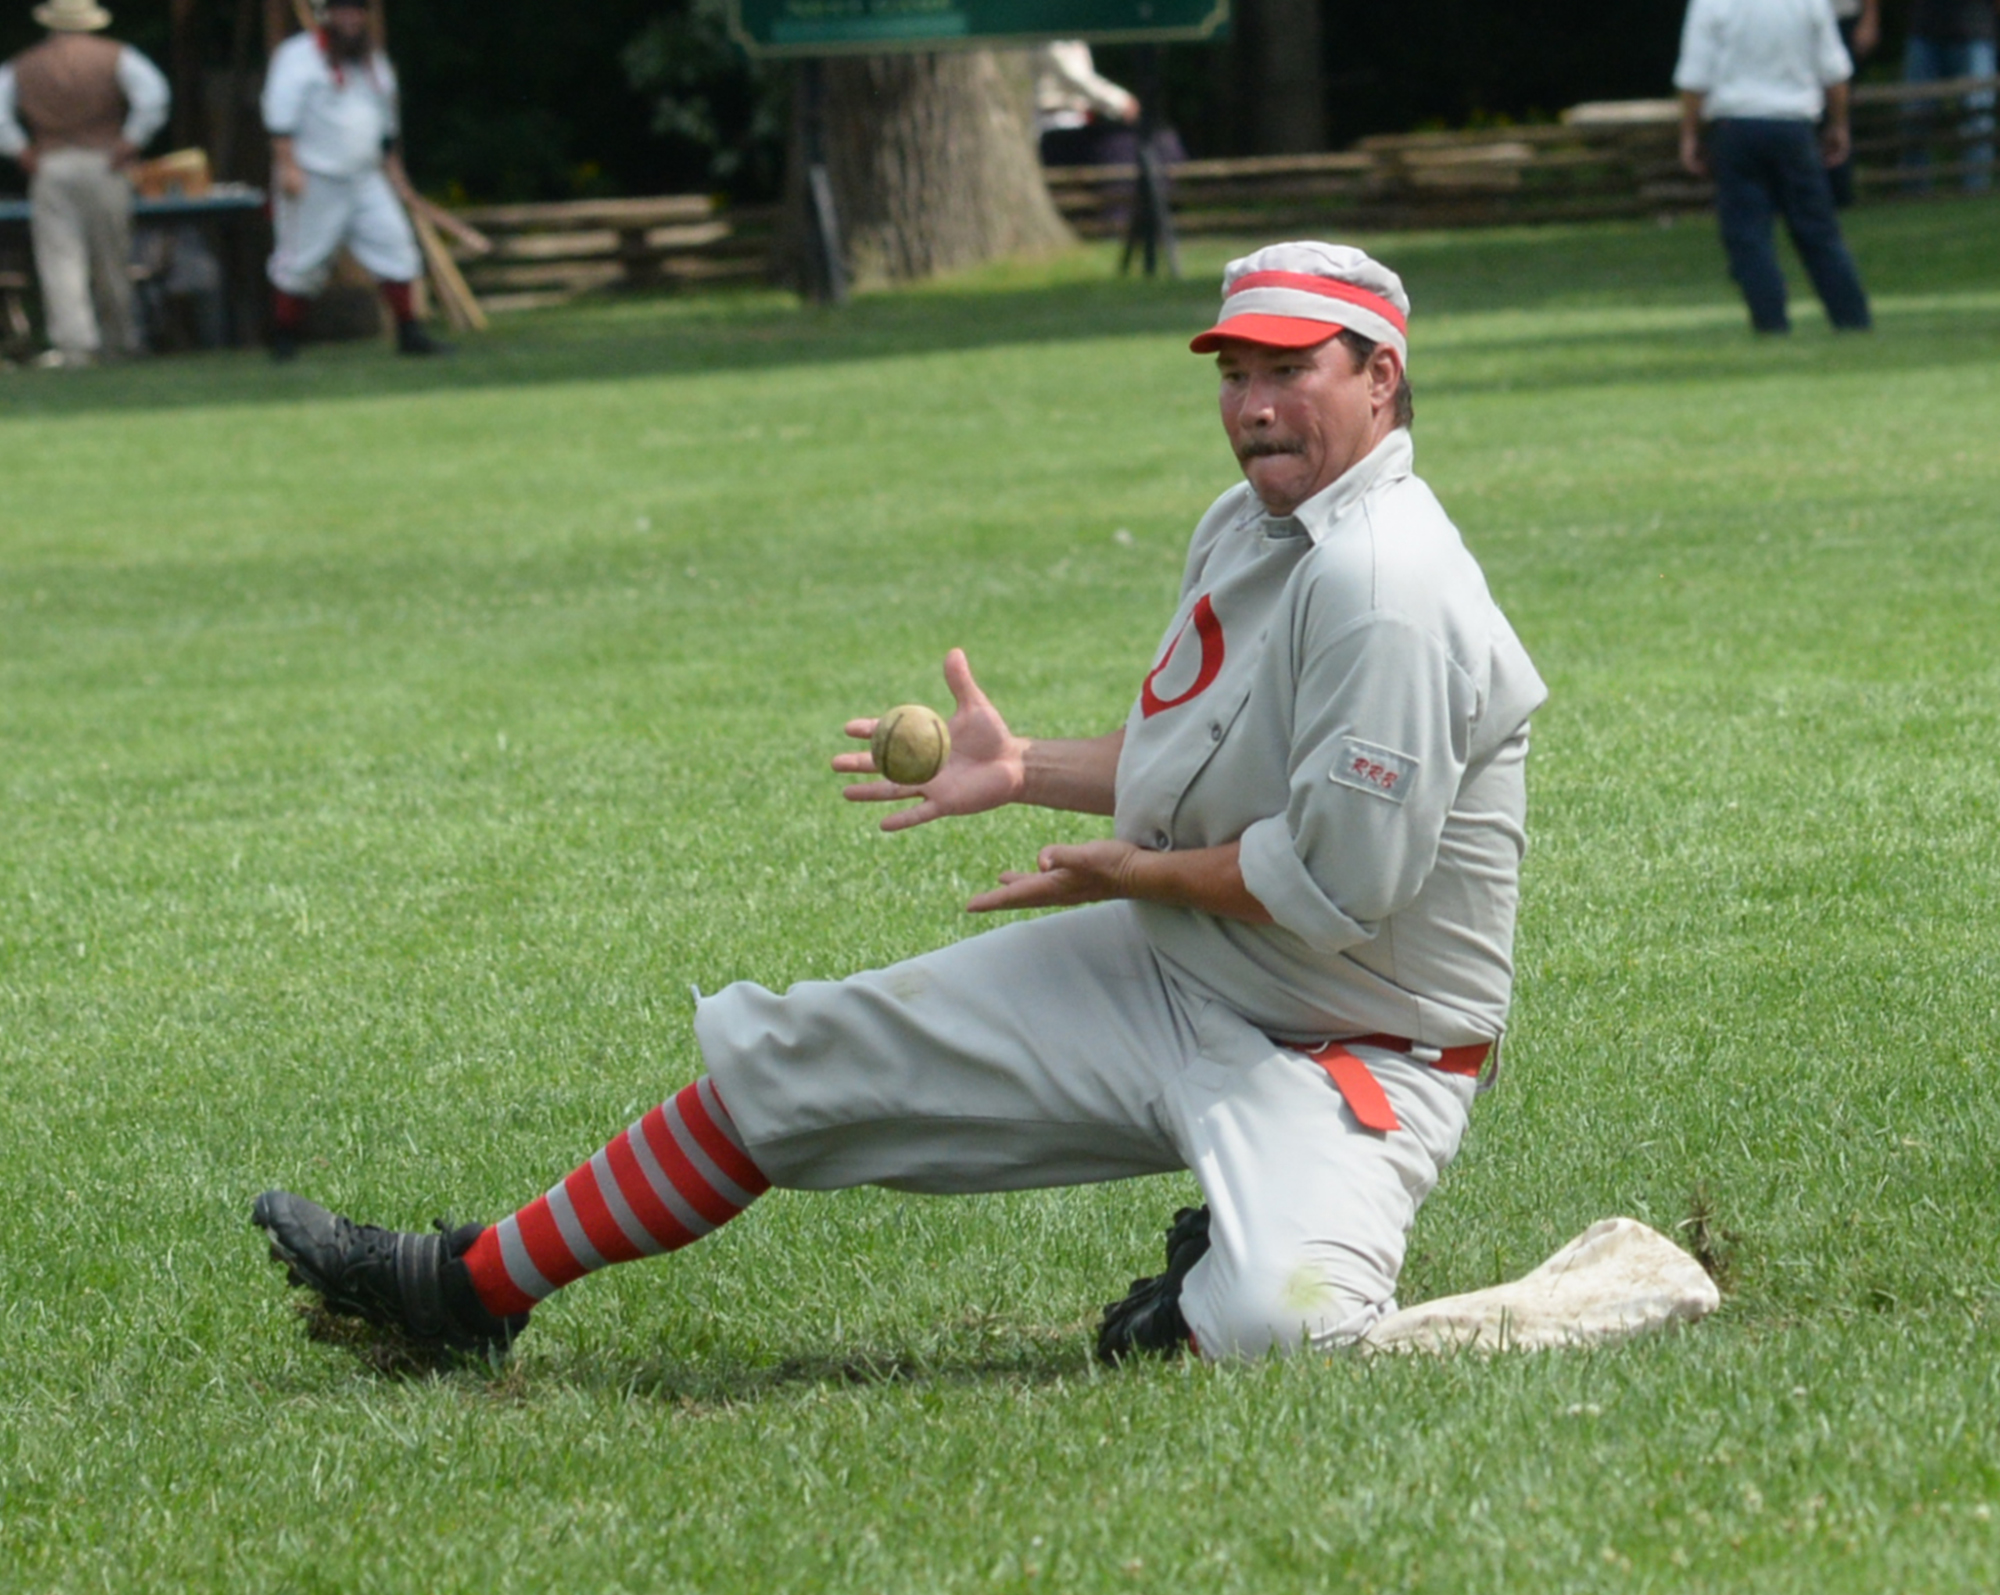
(462, 311)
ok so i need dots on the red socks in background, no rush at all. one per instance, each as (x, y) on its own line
(288, 311)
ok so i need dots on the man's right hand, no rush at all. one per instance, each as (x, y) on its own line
(987, 768)
(285, 169)
(1693, 162)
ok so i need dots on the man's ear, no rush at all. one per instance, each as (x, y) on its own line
(1385, 375)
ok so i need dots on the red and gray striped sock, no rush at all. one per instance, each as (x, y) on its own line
(678, 1173)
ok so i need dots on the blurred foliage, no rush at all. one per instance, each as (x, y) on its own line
(523, 99)
(709, 96)
(520, 99)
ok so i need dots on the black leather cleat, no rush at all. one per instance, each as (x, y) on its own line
(412, 339)
(394, 1279)
(1148, 1320)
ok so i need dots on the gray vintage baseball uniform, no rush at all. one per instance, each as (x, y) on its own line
(1338, 691)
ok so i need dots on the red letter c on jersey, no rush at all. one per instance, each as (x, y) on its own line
(1209, 630)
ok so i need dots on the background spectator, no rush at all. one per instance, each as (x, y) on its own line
(74, 111)
(1954, 39)
(1760, 73)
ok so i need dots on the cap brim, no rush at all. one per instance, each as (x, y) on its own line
(1274, 332)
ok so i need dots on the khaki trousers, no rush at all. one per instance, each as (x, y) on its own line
(80, 211)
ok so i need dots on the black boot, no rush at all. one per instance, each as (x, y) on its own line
(393, 1279)
(284, 344)
(412, 339)
(1149, 1318)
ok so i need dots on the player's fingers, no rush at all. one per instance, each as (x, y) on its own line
(1012, 895)
(860, 730)
(1021, 890)
(958, 677)
(854, 763)
(916, 814)
(877, 792)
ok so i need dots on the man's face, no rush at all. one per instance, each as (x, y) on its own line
(1299, 418)
(347, 26)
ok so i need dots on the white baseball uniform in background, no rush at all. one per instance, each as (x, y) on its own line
(340, 117)
(1338, 690)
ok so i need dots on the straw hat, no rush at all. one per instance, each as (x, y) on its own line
(72, 16)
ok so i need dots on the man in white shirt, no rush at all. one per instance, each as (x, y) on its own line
(1760, 73)
(1081, 116)
(330, 106)
(89, 105)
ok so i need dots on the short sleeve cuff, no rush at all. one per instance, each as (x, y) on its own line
(1274, 874)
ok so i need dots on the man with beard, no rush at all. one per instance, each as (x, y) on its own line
(1283, 972)
(330, 108)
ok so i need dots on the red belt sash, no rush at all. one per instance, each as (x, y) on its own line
(1363, 1093)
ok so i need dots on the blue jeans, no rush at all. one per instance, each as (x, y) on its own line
(1928, 60)
(1768, 168)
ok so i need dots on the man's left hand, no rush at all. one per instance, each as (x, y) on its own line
(1089, 872)
(123, 154)
(1836, 143)
(29, 159)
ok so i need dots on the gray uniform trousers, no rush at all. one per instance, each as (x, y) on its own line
(1062, 1050)
(80, 210)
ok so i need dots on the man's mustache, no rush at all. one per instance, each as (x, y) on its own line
(1264, 448)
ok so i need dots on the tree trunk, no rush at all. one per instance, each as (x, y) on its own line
(1282, 76)
(933, 165)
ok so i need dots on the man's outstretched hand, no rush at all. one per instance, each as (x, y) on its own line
(1209, 879)
(986, 770)
(1087, 872)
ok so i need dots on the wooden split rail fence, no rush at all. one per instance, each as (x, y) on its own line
(1616, 159)
(544, 254)
(1607, 160)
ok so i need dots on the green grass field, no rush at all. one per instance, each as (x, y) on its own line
(386, 748)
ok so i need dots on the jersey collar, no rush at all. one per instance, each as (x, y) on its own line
(1389, 461)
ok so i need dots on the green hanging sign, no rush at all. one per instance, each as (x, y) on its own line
(878, 27)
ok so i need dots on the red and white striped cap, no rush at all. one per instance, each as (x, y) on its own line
(1292, 296)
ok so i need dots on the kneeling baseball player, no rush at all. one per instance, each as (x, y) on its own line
(1285, 972)
(330, 106)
